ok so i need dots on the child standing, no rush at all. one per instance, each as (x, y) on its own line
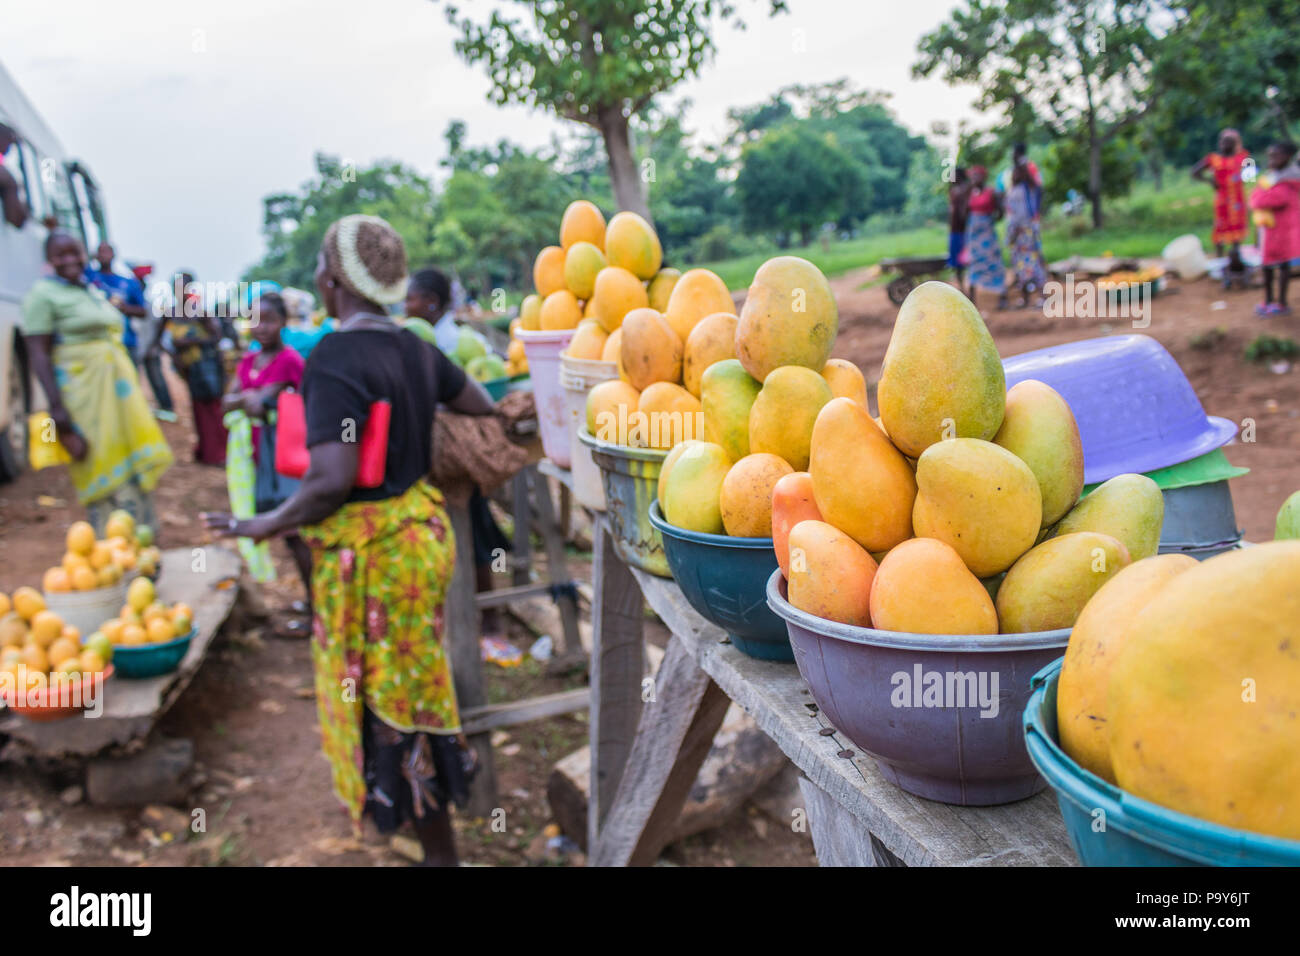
(1277, 204)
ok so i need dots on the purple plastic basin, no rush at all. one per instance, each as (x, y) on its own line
(1135, 408)
(964, 745)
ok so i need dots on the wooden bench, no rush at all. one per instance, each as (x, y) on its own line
(649, 735)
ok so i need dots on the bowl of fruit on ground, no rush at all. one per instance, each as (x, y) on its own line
(45, 671)
(148, 638)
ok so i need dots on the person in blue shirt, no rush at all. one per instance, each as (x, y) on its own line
(124, 292)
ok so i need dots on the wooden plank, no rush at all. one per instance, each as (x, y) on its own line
(917, 831)
(466, 659)
(838, 837)
(676, 730)
(500, 596)
(478, 720)
(617, 666)
(132, 707)
(522, 551)
(566, 642)
(551, 470)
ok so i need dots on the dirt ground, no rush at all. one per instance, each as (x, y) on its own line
(265, 787)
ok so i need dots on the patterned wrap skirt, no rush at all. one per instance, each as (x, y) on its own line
(384, 692)
(1026, 243)
(986, 268)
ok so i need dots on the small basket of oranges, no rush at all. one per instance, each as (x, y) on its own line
(148, 637)
(90, 583)
(45, 671)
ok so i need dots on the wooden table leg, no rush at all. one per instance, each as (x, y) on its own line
(523, 515)
(672, 740)
(617, 667)
(466, 659)
(568, 643)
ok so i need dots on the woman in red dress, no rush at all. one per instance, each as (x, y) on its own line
(1230, 210)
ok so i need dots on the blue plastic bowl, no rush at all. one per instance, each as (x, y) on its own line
(498, 387)
(151, 660)
(1136, 832)
(725, 580)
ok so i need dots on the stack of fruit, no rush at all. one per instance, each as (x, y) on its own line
(956, 512)
(37, 650)
(146, 620)
(90, 564)
(516, 360)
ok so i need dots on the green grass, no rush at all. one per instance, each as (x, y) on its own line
(1137, 225)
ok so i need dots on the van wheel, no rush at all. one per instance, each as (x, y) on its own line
(13, 440)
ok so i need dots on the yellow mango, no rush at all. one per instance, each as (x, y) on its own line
(548, 271)
(616, 293)
(712, 340)
(660, 288)
(1128, 507)
(610, 406)
(1099, 634)
(863, 484)
(691, 492)
(672, 414)
(830, 574)
(980, 500)
(1050, 585)
(1039, 429)
(631, 244)
(845, 380)
(746, 496)
(588, 341)
(789, 318)
(582, 263)
(560, 310)
(650, 350)
(923, 587)
(530, 313)
(696, 294)
(941, 377)
(582, 222)
(782, 417)
(727, 395)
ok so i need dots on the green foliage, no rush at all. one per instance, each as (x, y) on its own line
(794, 180)
(1266, 347)
(1065, 166)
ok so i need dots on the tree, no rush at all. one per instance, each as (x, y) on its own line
(794, 180)
(1080, 67)
(595, 62)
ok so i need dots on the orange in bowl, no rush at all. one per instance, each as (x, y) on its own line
(161, 631)
(56, 580)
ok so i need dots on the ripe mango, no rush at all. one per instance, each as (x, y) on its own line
(1099, 634)
(548, 271)
(923, 587)
(613, 352)
(792, 502)
(560, 310)
(830, 574)
(1204, 699)
(691, 492)
(1040, 430)
(789, 318)
(530, 313)
(582, 263)
(941, 377)
(650, 350)
(845, 380)
(746, 497)
(1288, 519)
(588, 341)
(616, 293)
(609, 404)
(863, 485)
(660, 288)
(782, 417)
(582, 222)
(1048, 587)
(698, 293)
(672, 414)
(631, 244)
(667, 466)
(727, 394)
(1128, 507)
(979, 499)
(712, 340)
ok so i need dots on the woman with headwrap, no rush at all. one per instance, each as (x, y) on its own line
(985, 208)
(1230, 221)
(74, 338)
(381, 557)
(1023, 235)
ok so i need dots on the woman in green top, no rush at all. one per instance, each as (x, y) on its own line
(74, 339)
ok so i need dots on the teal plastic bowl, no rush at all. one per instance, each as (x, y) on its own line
(1109, 827)
(151, 660)
(725, 580)
(498, 387)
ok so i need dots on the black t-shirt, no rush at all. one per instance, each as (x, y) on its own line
(348, 371)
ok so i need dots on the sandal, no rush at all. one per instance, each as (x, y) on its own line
(292, 629)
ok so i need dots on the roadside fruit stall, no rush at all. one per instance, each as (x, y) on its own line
(925, 571)
(90, 662)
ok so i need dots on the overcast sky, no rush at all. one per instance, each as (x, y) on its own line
(190, 111)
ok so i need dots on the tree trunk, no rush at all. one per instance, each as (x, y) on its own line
(624, 175)
(1094, 170)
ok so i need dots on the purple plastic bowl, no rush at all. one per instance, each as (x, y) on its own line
(860, 678)
(1135, 408)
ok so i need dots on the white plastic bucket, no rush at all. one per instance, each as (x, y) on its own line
(1186, 256)
(543, 352)
(86, 610)
(577, 376)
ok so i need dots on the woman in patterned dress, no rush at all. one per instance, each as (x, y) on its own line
(381, 557)
(1230, 210)
(985, 209)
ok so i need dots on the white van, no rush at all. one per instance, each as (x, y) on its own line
(52, 186)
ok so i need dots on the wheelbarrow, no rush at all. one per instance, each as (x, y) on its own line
(910, 272)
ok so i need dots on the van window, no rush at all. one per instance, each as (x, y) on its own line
(92, 214)
(58, 190)
(31, 179)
